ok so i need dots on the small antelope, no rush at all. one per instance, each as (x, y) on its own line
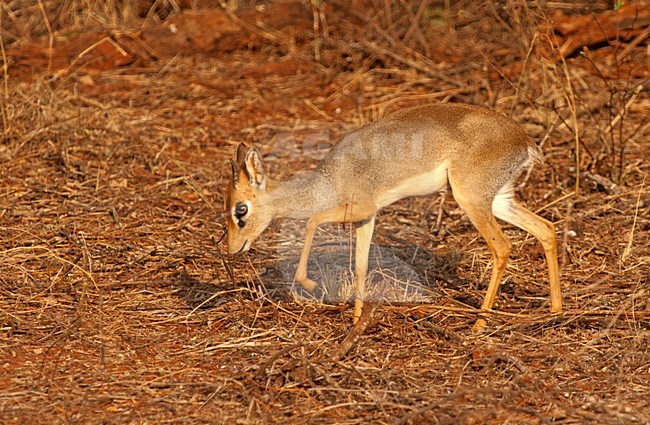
(413, 152)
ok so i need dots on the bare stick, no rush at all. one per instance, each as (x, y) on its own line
(628, 248)
(357, 330)
(5, 75)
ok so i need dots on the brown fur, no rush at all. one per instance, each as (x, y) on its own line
(413, 152)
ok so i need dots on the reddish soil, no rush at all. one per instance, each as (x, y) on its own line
(118, 303)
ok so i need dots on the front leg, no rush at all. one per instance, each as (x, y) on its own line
(301, 271)
(364, 237)
(342, 213)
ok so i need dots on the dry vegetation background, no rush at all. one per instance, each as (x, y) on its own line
(118, 304)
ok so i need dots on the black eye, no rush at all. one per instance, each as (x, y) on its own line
(241, 210)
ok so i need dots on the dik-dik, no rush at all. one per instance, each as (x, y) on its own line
(413, 152)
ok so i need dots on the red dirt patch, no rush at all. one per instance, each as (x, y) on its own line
(118, 305)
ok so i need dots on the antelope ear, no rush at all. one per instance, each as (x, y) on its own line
(242, 149)
(235, 174)
(255, 168)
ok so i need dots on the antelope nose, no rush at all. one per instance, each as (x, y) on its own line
(242, 249)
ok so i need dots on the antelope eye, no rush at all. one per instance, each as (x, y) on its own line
(241, 210)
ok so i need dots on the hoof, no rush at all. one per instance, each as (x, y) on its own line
(307, 284)
(358, 309)
(480, 325)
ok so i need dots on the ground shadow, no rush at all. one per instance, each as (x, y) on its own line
(197, 294)
(396, 274)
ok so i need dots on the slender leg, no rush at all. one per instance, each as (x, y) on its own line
(441, 209)
(301, 271)
(544, 231)
(364, 237)
(499, 245)
(341, 213)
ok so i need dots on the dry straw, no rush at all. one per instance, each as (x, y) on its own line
(116, 306)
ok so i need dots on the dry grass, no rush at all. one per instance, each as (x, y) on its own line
(117, 305)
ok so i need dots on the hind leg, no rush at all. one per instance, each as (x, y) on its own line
(507, 209)
(499, 245)
(477, 206)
